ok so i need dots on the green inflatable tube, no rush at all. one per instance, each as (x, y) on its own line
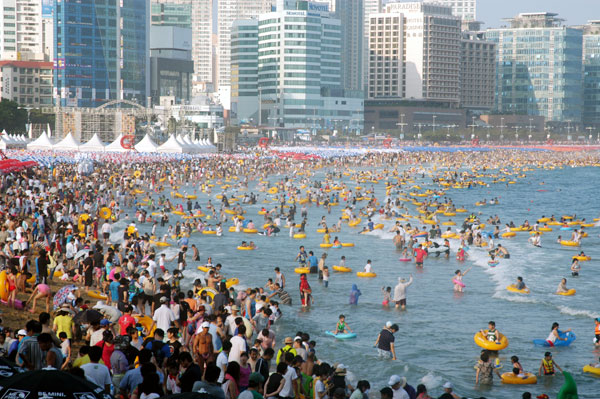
(569, 388)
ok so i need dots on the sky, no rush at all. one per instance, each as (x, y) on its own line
(575, 12)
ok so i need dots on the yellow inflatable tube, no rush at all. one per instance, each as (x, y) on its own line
(302, 270)
(245, 248)
(592, 370)
(363, 274)
(299, 235)
(342, 269)
(569, 243)
(511, 378)
(97, 294)
(514, 289)
(482, 342)
(570, 292)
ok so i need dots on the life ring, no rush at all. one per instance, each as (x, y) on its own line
(160, 243)
(459, 283)
(511, 378)
(342, 269)
(250, 231)
(273, 190)
(320, 230)
(378, 226)
(245, 248)
(231, 282)
(449, 223)
(131, 230)
(582, 258)
(570, 292)
(509, 234)
(323, 245)
(262, 212)
(137, 173)
(210, 292)
(591, 370)
(146, 323)
(482, 342)
(347, 244)
(299, 235)
(203, 268)
(449, 235)
(128, 142)
(569, 243)
(263, 142)
(209, 232)
(545, 229)
(449, 213)
(302, 270)
(514, 289)
(230, 212)
(355, 222)
(97, 295)
(178, 213)
(363, 274)
(105, 213)
(3, 286)
(232, 229)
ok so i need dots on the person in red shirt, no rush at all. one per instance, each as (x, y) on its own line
(126, 320)
(420, 255)
(108, 347)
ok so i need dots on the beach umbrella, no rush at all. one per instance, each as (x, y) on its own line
(88, 316)
(8, 368)
(50, 384)
(62, 295)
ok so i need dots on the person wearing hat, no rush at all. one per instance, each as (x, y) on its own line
(288, 347)
(448, 394)
(397, 384)
(230, 320)
(254, 391)
(163, 316)
(202, 346)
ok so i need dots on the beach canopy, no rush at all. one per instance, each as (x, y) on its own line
(41, 143)
(68, 143)
(146, 145)
(94, 144)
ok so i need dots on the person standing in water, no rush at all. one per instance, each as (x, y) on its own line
(354, 294)
(457, 280)
(400, 292)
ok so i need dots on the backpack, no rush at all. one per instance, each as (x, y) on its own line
(156, 349)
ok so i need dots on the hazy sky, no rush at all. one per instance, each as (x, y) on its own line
(575, 12)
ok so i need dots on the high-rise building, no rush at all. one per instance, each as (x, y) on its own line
(351, 15)
(28, 83)
(229, 11)
(387, 71)
(298, 52)
(591, 74)
(178, 14)
(464, 9)
(426, 46)
(539, 67)
(369, 7)
(21, 35)
(477, 71)
(244, 71)
(114, 62)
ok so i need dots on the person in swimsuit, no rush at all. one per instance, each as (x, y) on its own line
(575, 268)
(491, 334)
(342, 327)
(11, 279)
(40, 291)
(457, 280)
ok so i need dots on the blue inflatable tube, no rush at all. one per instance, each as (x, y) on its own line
(569, 336)
(341, 336)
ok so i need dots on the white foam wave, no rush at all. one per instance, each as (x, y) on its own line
(431, 381)
(578, 312)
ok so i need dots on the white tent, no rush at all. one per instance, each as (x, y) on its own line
(188, 149)
(41, 143)
(68, 143)
(188, 142)
(116, 146)
(95, 144)
(6, 143)
(146, 145)
(172, 146)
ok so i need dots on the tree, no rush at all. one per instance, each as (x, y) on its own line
(36, 116)
(12, 119)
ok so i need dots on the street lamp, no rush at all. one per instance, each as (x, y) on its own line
(401, 124)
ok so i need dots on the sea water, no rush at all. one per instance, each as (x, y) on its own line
(435, 341)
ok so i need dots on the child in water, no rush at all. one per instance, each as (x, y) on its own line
(387, 295)
(342, 327)
(326, 276)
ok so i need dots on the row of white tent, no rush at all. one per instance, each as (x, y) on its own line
(175, 144)
(9, 141)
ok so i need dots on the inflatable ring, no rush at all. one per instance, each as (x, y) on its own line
(203, 268)
(482, 342)
(449, 235)
(250, 231)
(449, 223)
(273, 190)
(514, 289)
(299, 235)
(569, 243)
(582, 258)
(354, 223)
(231, 282)
(146, 323)
(209, 232)
(105, 213)
(323, 245)
(378, 226)
(347, 244)
(509, 234)
(342, 269)
(320, 230)
(178, 213)
(511, 378)
(363, 274)
(245, 248)
(302, 270)
(544, 229)
(97, 295)
(191, 197)
(230, 212)
(592, 370)
(232, 229)
(570, 292)
(210, 292)
(262, 212)
(160, 243)
(137, 173)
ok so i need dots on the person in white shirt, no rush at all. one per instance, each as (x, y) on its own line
(95, 372)
(368, 267)
(163, 316)
(397, 384)
(106, 230)
(290, 377)
(238, 345)
(221, 361)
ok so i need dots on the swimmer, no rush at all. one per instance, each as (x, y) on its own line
(520, 285)
(457, 280)
(342, 327)
(555, 334)
(461, 254)
(491, 334)
(575, 268)
(368, 267)
(597, 332)
(562, 286)
(536, 240)
(387, 296)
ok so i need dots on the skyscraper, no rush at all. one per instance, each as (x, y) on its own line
(350, 14)
(464, 9)
(539, 67)
(591, 74)
(369, 7)
(477, 71)
(172, 13)
(21, 34)
(229, 11)
(101, 51)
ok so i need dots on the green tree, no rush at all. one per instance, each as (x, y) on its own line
(36, 116)
(12, 119)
